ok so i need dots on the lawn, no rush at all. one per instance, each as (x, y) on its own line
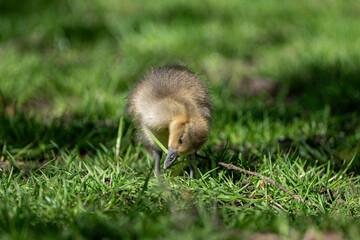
(284, 80)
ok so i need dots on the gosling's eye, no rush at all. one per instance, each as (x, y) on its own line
(181, 140)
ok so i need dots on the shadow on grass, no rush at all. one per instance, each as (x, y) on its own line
(318, 92)
(319, 83)
(53, 19)
(19, 131)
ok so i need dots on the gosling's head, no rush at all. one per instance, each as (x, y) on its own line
(185, 137)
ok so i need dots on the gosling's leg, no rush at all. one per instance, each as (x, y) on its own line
(157, 157)
(191, 161)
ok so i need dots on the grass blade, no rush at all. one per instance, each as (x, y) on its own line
(158, 143)
(118, 140)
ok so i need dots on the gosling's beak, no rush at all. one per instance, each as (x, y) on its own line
(170, 158)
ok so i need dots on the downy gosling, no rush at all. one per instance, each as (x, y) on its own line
(173, 103)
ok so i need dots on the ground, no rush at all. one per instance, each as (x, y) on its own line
(284, 82)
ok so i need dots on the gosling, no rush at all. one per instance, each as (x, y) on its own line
(173, 104)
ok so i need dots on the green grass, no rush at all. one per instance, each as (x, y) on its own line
(67, 67)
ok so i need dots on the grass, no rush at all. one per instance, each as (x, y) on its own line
(284, 82)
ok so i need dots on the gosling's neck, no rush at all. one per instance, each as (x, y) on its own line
(164, 112)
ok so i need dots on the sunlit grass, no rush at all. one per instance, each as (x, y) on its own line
(69, 163)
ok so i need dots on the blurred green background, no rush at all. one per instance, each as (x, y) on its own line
(283, 76)
(72, 63)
